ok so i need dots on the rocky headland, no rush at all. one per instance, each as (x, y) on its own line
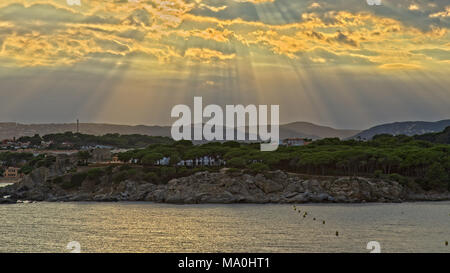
(217, 187)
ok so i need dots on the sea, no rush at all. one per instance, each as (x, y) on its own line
(152, 228)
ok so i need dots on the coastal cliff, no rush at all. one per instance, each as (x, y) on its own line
(218, 187)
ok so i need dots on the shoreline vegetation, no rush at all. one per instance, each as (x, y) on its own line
(385, 169)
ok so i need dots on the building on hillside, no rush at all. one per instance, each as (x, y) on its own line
(96, 146)
(8, 144)
(12, 173)
(115, 160)
(202, 161)
(187, 163)
(101, 155)
(163, 161)
(133, 161)
(46, 144)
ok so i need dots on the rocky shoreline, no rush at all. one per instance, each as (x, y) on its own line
(220, 188)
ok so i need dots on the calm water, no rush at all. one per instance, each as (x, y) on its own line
(146, 227)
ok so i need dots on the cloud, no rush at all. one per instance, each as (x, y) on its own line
(212, 8)
(400, 66)
(317, 59)
(314, 5)
(255, 1)
(205, 55)
(445, 13)
(413, 7)
(49, 33)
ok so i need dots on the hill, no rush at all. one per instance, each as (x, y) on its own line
(409, 128)
(8, 130)
(441, 137)
(310, 130)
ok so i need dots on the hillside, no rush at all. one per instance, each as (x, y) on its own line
(441, 137)
(307, 129)
(9, 130)
(408, 128)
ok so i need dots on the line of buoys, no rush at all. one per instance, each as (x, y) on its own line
(306, 214)
(314, 218)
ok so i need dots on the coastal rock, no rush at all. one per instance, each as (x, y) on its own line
(268, 186)
(81, 197)
(321, 197)
(299, 198)
(158, 196)
(219, 187)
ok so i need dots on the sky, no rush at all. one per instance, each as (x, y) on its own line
(341, 63)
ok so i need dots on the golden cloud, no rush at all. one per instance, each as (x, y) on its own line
(400, 66)
(205, 55)
(166, 31)
(445, 13)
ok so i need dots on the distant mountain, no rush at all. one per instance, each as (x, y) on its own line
(408, 128)
(8, 130)
(441, 137)
(310, 130)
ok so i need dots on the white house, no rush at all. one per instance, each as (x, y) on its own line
(163, 161)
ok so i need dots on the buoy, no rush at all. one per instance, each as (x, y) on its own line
(314, 219)
(323, 222)
(446, 243)
(337, 233)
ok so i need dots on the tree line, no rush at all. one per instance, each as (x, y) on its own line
(78, 140)
(402, 158)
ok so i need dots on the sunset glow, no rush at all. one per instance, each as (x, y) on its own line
(339, 63)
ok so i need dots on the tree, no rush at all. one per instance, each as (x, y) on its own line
(84, 156)
(259, 167)
(174, 159)
(236, 162)
(126, 156)
(436, 177)
(151, 158)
